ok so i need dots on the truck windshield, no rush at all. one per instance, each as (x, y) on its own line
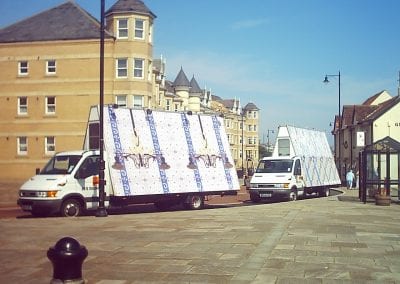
(60, 165)
(275, 166)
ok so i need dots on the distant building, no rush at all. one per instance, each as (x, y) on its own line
(363, 125)
(49, 77)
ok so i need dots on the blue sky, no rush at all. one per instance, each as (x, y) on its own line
(274, 53)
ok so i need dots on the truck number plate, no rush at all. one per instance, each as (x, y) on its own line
(265, 194)
(26, 207)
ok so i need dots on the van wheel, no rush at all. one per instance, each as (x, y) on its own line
(324, 192)
(194, 202)
(293, 195)
(71, 208)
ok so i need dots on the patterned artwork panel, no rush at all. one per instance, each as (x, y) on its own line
(167, 152)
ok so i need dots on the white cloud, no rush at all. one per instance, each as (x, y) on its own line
(247, 24)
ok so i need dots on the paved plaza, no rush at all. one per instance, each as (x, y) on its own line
(318, 240)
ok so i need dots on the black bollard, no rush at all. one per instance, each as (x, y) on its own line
(67, 257)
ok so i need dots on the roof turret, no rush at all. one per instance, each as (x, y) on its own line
(194, 87)
(130, 6)
(181, 80)
(251, 106)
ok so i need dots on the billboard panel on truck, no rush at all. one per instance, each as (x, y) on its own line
(313, 149)
(155, 152)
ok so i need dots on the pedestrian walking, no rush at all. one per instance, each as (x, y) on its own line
(349, 179)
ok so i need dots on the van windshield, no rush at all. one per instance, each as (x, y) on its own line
(275, 166)
(60, 165)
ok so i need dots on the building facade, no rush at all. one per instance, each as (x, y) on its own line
(49, 78)
(363, 125)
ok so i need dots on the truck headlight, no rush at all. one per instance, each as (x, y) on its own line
(51, 193)
(282, 185)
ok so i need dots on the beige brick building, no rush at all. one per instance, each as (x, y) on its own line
(49, 77)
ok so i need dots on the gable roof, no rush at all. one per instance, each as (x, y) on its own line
(67, 21)
(382, 108)
(361, 112)
(347, 115)
(377, 98)
(385, 144)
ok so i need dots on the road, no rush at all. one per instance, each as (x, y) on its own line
(212, 202)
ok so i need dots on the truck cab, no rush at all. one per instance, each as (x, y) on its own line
(67, 185)
(277, 178)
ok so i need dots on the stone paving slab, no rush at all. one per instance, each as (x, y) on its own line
(318, 240)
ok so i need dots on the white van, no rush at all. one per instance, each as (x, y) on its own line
(301, 163)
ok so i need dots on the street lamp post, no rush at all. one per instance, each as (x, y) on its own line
(268, 131)
(242, 125)
(101, 210)
(338, 154)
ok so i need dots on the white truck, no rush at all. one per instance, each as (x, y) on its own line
(301, 163)
(165, 158)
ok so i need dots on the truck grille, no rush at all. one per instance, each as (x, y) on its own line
(27, 193)
(265, 186)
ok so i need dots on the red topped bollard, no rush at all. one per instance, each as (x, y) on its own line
(67, 257)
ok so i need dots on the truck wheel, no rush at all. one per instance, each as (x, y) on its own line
(293, 195)
(324, 192)
(71, 208)
(194, 202)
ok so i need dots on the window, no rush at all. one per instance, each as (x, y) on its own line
(249, 154)
(255, 127)
(122, 68)
(254, 114)
(50, 67)
(283, 147)
(138, 68)
(120, 100)
(50, 145)
(168, 105)
(22, 106)
(149, 71)
(90, 167)
(151, 34)
(23, 68)
(250, 127)
(250, 140)
(50, 105)
(94, 135)
(139, 29)
(176, 107)
(137, 101)
(22, 145)
(122, 28)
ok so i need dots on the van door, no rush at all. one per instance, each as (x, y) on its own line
(298, 176)
(87, 177)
